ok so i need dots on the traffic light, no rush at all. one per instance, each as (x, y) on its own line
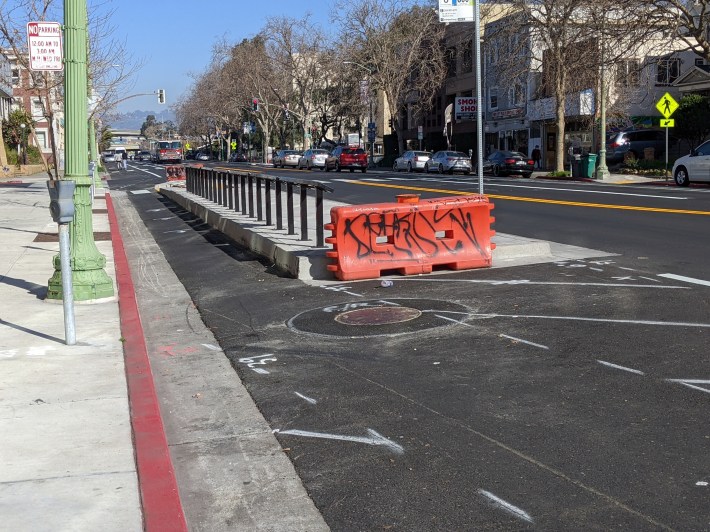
(255, 104)
(161, 96)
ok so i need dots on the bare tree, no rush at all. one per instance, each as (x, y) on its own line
(688, 20)
(400, 46)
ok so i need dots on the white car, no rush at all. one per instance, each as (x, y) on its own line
(411, 160)
(693, 167)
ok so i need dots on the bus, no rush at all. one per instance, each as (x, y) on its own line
(166, 151)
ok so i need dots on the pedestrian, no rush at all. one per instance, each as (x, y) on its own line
(124, 158)
(536, 156)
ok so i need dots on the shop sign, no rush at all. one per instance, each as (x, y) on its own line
(465, 108)
(508, 113)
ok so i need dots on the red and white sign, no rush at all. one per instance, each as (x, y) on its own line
(44, 41)
(465, 108)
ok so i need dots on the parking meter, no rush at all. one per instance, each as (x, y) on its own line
(61, 200)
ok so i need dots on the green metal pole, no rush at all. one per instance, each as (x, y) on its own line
(602, 169)
(91, 283)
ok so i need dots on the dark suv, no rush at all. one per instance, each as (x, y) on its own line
(635, 142)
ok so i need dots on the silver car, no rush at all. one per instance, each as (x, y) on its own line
(313, 158)
(285, 158)
(411, 160)
(449, 162)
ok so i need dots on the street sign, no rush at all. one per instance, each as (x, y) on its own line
(668, 122)
(371, 136)
(456, 11)
(44, 41)
(420, 132)
(233, 145)
(187, 146)
(667, 105)
(465, 108)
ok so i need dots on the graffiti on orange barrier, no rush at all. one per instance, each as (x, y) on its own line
(175, 172)
(412, 238)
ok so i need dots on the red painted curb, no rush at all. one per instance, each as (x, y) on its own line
(162, 509)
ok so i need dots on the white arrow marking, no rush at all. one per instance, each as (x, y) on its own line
(375, 438)
(506, 506)
(175, 231)
(691, 382)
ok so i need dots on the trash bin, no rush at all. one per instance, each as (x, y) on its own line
(576, 163)
(588, 165)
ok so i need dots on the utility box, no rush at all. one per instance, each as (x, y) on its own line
(61, 200)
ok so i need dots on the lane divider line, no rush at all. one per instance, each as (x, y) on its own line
(684, 279)
(536, 200)
(160, 499)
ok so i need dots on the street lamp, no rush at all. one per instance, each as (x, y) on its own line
(370, 128)
(22, 143)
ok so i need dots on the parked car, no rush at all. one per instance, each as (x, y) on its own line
(203, 156)
(635, 142)
(313, 158)
(448, 161)
(109, 156)
(237, 157)
(352, 158)
(693, 167)
(190, 154)
(143, 156)
(508, 162)
(411, 160)
(285, 158)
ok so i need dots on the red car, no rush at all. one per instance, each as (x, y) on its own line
(352, 158)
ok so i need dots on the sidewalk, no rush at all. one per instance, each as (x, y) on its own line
(76, 420)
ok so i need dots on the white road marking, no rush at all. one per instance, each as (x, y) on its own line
(307, 399)
(690, 383)
(538, 283)
(650, 279)
(523, 341)
(622, 368)
(684, 279)
(176, 231)
(373, 179)
(701, 483)
(598, 320)
(154, 210)
(506, 506)
(345, 180)
(140, 192)
(453, 320)
(152, 173)
(375, 438)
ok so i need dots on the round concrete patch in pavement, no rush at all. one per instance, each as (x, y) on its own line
(378, 317)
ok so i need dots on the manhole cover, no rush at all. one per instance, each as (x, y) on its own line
(379, 317)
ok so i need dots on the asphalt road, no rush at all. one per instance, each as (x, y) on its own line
(561, 396)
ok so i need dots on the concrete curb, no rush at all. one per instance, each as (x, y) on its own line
(307, 262)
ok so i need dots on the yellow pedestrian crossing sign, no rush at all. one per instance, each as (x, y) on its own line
(668, 122)
(667, 105)
(233, 145)
(187, 145)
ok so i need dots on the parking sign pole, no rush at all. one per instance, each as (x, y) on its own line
(479, 101)
(666, 168)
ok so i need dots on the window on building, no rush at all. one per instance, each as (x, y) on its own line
(667, 71)
(699, 62)
(516, 94)
(627, 73)
(42, 139)
(493, 98)
(37, 108)
(467, 57)
(15, 77)
(451, 62)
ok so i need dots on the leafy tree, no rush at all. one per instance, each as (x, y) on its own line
(693, 119)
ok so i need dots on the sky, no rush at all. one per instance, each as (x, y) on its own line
(175, 38)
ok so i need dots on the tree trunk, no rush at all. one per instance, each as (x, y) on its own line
(560, 86)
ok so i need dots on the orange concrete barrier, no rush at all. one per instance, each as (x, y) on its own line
(410, 237)
(175, 172)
